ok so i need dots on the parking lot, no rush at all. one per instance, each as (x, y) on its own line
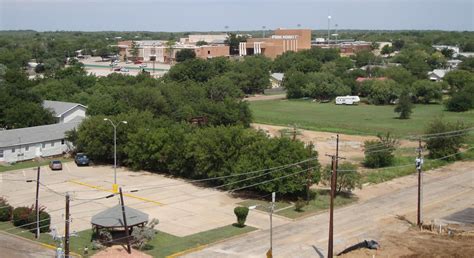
(95, 65)
(182, 208)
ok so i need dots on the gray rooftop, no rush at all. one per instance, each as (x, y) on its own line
(278, 76)
(36, 134)
(59, 107)
(113, 217)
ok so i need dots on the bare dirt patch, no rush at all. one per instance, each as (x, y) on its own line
(350, 146)
(415, 243)
(266, 97)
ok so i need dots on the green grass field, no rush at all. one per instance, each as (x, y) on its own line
(362, 119)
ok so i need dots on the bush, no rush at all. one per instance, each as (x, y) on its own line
(445, 144)
(5, 210)
(25, 217)
(21, 216)
(379, 153)
(241, 213)
(143, 235)
(299, 204)
(348, 178)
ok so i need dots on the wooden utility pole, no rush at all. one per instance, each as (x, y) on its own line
(272, 209)
(419, 163)
(66, 234)
(37, 235)
(337, 158)
(310, 173)
(331, 206)
(127, 234)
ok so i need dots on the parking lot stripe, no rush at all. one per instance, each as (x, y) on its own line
(110, 191)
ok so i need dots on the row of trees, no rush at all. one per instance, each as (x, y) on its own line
(188, 151)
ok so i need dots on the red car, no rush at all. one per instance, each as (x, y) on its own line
(138, 62)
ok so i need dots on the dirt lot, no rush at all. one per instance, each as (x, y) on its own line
(350, 146)
(414, 243)
(266, 97)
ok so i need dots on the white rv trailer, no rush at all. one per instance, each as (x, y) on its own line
(347, 100)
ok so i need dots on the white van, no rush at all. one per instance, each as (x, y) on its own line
(347, 100)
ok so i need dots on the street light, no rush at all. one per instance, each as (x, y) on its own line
(329, 23)
(263, 30)
(115, 186)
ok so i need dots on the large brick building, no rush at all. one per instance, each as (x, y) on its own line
(282, 41)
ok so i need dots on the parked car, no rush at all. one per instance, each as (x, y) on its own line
(142, 65)
(81, 159)
(56, 165)
(117, 69)
(125, 70)
(138, 62)
(128, 62)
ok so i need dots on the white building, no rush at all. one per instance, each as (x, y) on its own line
(45, 140)
(65, 111)
(455, 49)
(437, 75)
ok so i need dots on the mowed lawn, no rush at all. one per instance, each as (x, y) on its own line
(360, 119)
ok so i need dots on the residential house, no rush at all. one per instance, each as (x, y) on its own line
(45, 140)
(437, 74)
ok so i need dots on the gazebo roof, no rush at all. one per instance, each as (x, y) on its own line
(113, 217)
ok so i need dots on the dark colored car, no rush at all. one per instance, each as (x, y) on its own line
(81, 159)
(56, 165)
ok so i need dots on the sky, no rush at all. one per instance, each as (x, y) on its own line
(214, 15)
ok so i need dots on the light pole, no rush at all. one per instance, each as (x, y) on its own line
(335, 25)
(329, 24)
(263, 30)
(115, 186)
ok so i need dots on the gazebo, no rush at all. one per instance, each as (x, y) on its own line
(112, 219)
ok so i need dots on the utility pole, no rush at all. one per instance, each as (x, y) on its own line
(310, 172)
(37, 204)
(66, 234)
(337, 156)
(272, 208)
(334, 159)
(419, 163)
(127, 234)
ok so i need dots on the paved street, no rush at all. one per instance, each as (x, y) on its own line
(14, 247)
(446, 191)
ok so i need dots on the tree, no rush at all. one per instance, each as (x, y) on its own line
(383, 92)
(233, 42)
(134, 50)
(398, 44)
(447, 52)
(143, 235)
(252, 75)
(467, 64)
(386, 49)
(462, 100)
(404, 106)
(201, 43)
(427, 91)
(458, 79)
(379, 153)
(442, 143)
(185, 54)
(347, 179)
(364, 57)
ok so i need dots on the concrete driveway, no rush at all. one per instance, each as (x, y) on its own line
(181, 207)
(11, 246)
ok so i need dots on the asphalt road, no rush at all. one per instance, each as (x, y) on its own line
(446, 191)
(11, 246)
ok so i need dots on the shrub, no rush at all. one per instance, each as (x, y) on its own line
(142, 235)
(379, 153)
(25, 217)
(299, 204)
(447, 143)
(21, 216)
(5, 210)
(241, 213)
